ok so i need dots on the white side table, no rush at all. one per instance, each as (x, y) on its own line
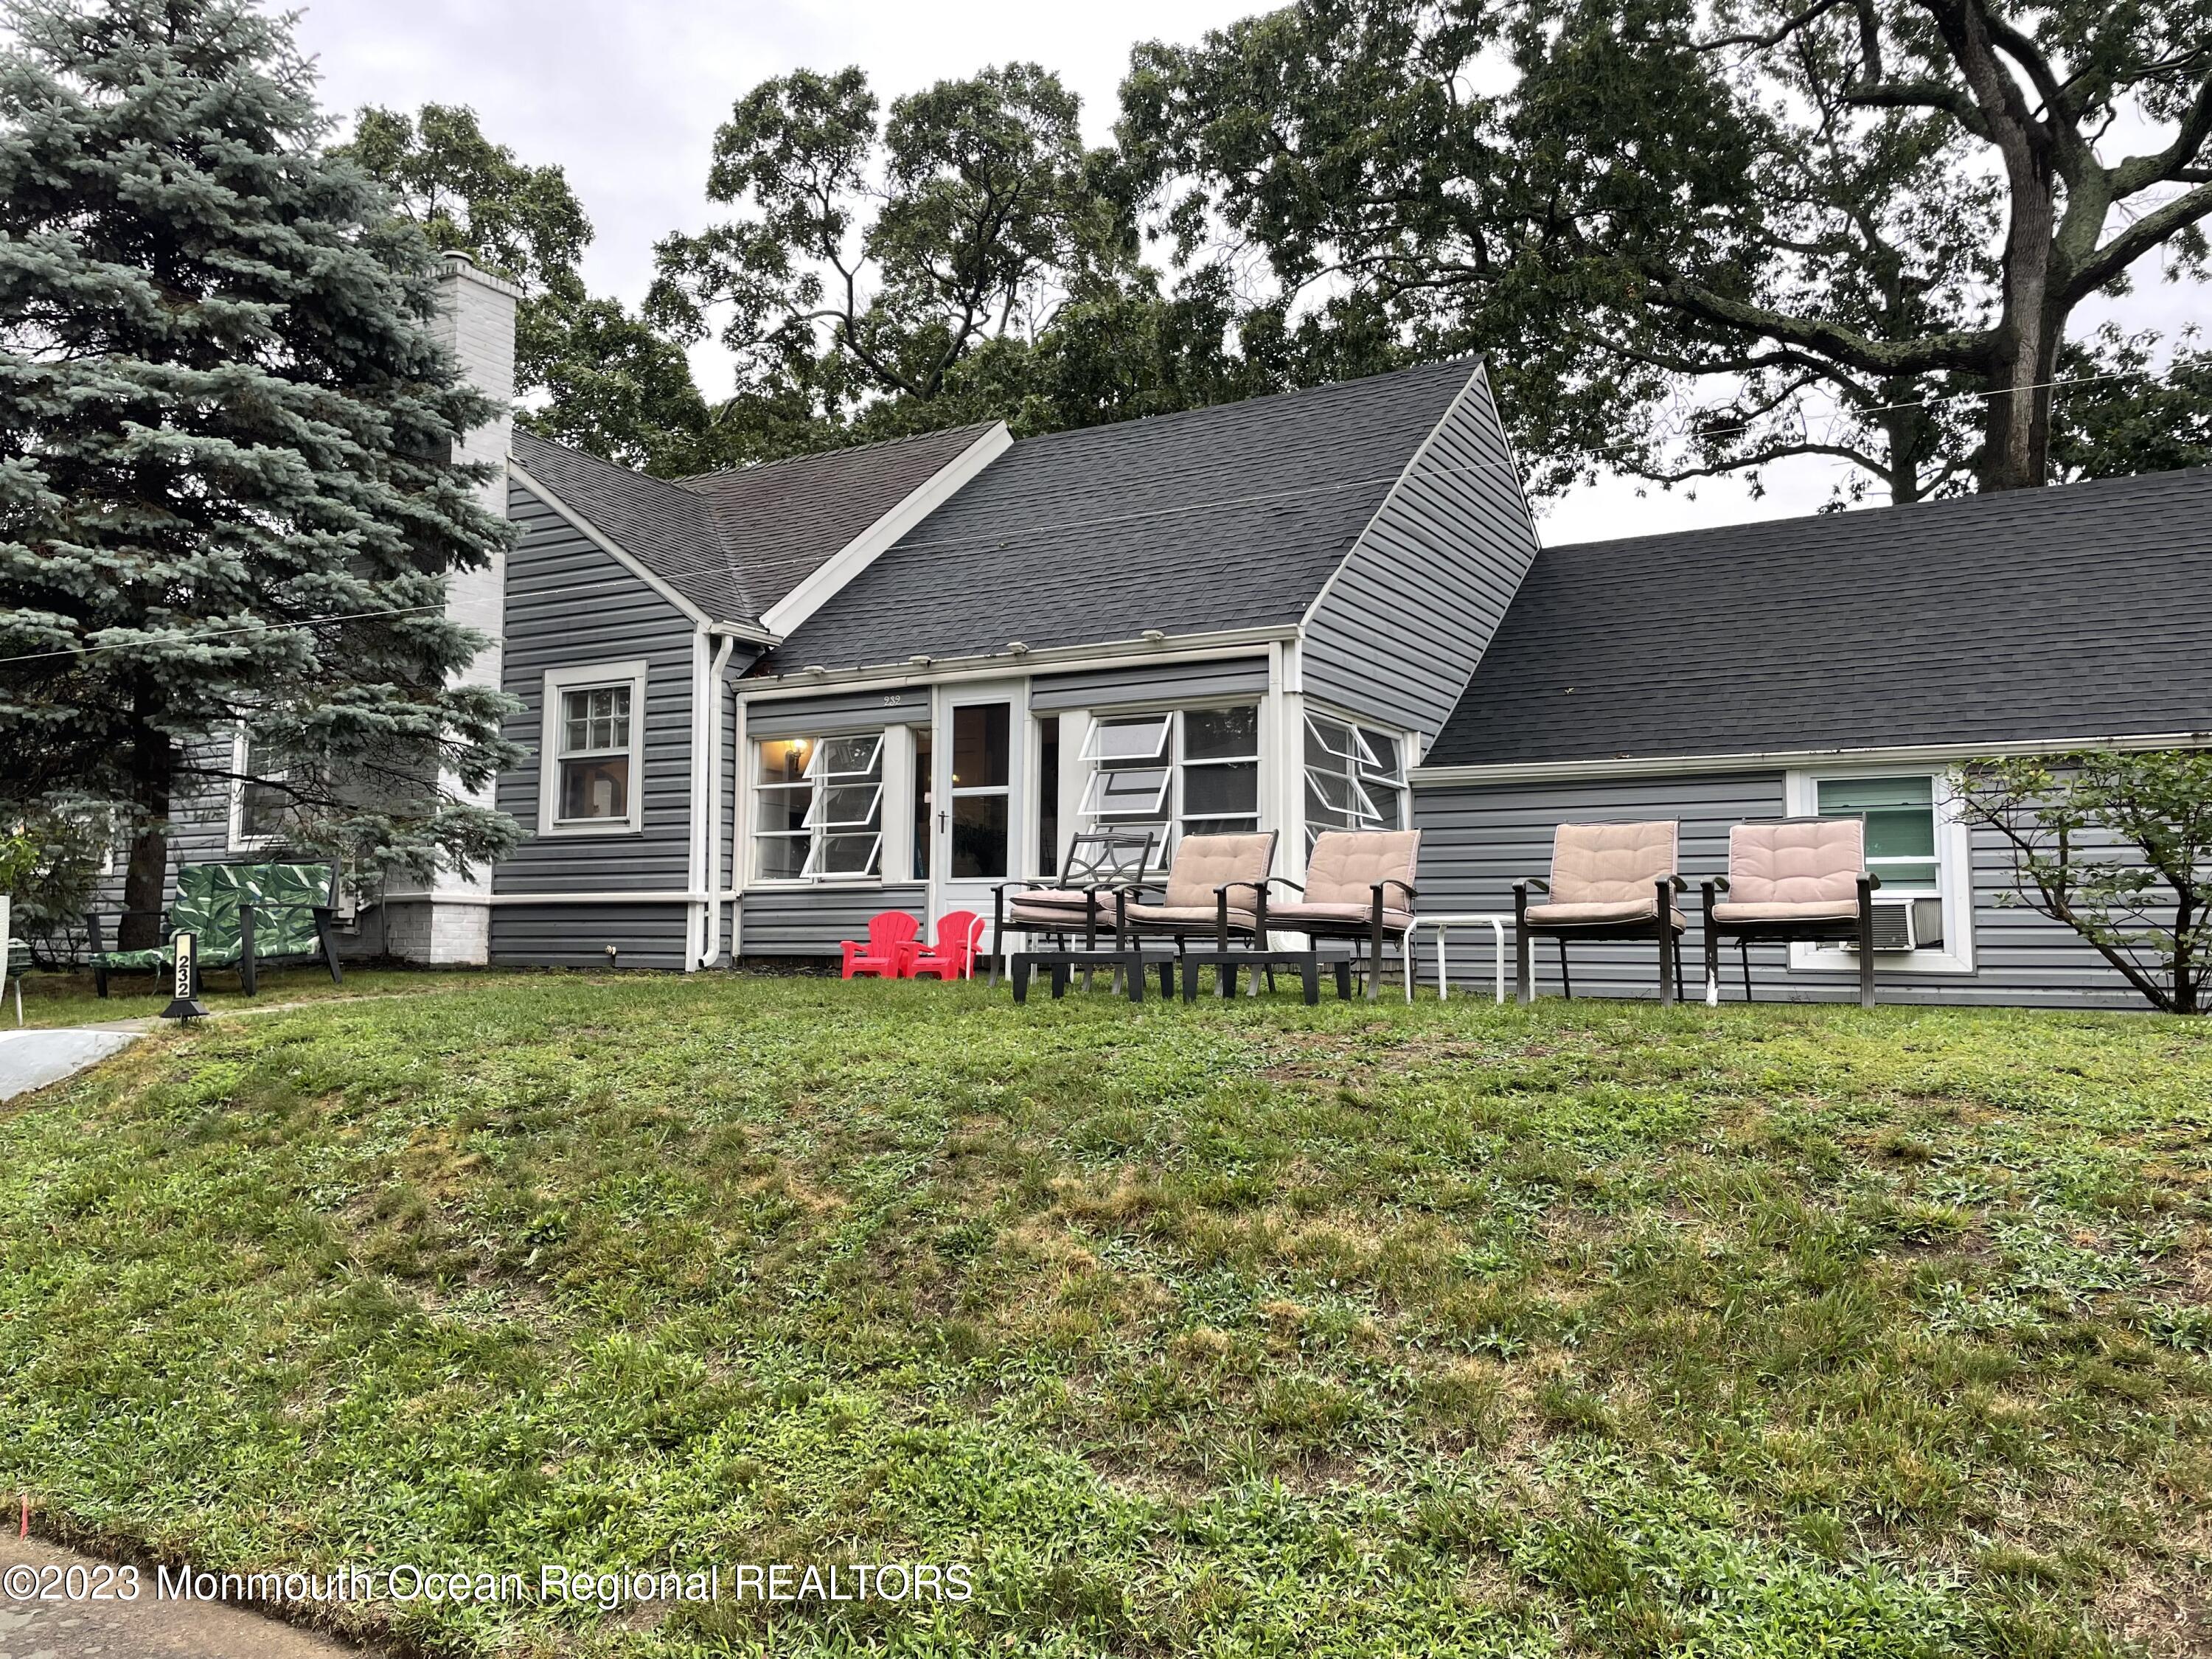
(1494, 921)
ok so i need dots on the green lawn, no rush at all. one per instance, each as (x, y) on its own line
(1237, 1330)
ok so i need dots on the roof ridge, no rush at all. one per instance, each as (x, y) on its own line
(1863, 514)
(690, 481)
(731, 569)
(1469, 363)
(596, 460)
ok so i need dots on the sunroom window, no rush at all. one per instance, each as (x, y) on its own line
(818, 808)
(1193, 771)
(1355, 778)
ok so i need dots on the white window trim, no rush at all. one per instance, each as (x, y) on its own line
(560, 680)
(1171, 818)
(1955, 868)
(240, 841)
(1403, 789)
(750, 787)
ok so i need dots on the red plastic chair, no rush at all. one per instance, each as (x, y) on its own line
(889, 953)
(959, 933)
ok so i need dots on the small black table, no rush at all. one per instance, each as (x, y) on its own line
(1062, 963)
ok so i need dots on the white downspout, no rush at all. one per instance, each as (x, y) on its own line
(710, 948)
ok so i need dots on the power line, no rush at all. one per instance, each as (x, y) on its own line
(1956, 397)
(672, 571)
(219, 634)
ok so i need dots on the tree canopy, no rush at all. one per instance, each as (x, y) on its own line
(226, 495)
(1701, 238)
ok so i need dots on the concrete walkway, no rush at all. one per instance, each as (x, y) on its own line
(32, 1628)
(32, 1060)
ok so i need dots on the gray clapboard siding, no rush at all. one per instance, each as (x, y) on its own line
(848, 711)
(810, 922)
(1477, 841)
(577, 935)
(1175, 683)
(1401, 625)
(568, 604)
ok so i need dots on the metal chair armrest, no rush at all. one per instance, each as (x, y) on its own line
(1871, 879)
(1407, 888)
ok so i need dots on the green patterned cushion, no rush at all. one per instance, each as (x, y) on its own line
(285, 899)
(154, 958)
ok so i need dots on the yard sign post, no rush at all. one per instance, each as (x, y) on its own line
(184, 1002)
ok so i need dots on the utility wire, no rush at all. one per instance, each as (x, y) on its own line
(218, 634)
(1953, 397)
(1059, 526)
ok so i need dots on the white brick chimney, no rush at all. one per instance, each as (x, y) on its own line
(451, 922)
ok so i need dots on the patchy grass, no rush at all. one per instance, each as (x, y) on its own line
(1244, 1329)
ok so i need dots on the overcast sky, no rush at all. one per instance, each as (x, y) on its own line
(625, 95)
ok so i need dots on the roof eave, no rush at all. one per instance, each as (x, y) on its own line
(1643, 766)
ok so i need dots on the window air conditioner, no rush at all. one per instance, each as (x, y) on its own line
(1893, 925)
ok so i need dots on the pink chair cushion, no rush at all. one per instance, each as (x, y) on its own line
(1809, 910)
(1345, 864)
(1203, 863)
(1609, 864)
(1805, 861)
(1058, 898)
(1289, 917)
(1589, 914)
(1190, 915)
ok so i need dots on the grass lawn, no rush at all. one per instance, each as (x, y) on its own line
(1238, 1330)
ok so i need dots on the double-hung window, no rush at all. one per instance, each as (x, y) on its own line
(257, 799)
(1355, 778)
(1918, 850)
(1193, 771)
(594, 756)
(818, 808)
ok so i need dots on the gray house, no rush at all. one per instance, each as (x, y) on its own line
(1838, 664)
(768, 703)
(763, 704)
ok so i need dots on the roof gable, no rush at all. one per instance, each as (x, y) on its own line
(1212, 519)
(736, 543)
(2081, 610)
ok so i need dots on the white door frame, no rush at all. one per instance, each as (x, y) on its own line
(947, 892)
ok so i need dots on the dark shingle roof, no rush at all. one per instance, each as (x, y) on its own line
(780, 520)
(734, 543)
(664, 527)
(2079, 611)
(1221, 518)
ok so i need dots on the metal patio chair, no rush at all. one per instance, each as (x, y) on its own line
(1359, 886)
(1792, 878)
(1080, 900)
(1609, 881)
(1199, 900)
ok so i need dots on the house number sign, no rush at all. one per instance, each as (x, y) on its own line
(184, 1003)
